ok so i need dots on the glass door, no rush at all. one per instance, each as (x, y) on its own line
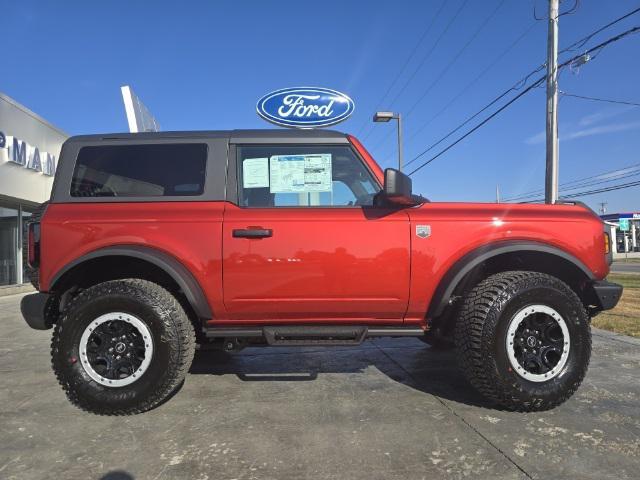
(8, 245)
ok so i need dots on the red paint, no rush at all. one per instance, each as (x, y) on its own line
(350, 265)
(320, 264)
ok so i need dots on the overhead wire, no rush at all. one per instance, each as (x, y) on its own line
(597, 48)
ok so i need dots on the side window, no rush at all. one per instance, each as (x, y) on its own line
(303, 176)
(154, 170)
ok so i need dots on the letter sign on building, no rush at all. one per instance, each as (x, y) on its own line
(305, 107)
(25, 155)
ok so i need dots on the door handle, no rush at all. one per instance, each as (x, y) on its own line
(252, 233)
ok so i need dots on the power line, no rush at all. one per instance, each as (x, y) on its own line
(619, 102)
(453, 60)
(435, 45)
(475, 80)
(408, 60)
(608, 174)
(585, 182)
(602, 190)
(581, 185)
(519, 84)
(525, 91)
(597, 48)
(593, 192)
(458, 55)
(580, 43)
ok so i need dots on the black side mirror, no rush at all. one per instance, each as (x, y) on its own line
(397, 188)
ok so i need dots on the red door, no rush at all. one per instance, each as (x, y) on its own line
(318, 264)
(319, 253)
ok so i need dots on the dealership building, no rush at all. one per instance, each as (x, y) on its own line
(29, 151)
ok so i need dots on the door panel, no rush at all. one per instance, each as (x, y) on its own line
(315, 264)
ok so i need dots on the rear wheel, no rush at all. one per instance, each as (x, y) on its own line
(523, 340)
(122, 347)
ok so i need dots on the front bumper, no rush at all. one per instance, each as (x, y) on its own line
(34, 308)
(607, 293)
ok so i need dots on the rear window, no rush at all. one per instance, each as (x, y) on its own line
(165, 170)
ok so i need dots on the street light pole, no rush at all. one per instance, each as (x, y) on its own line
(400, 159)
(384, 117)
(551, 176)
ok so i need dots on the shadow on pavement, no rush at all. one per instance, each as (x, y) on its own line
(117, 475)
(424, 369)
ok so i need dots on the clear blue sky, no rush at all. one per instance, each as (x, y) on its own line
(203, 65)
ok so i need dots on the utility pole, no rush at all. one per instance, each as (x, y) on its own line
(400, 155)
(551, 177)
(603, 208)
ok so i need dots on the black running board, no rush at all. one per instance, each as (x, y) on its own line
(325, 335)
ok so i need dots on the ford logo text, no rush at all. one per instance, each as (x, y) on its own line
(305, 107)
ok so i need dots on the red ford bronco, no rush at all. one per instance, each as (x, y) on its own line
(154, 242)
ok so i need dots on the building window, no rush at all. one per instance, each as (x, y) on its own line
(8, 245)
(25, 233)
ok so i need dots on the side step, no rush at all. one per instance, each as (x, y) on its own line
(326, 335)
(310, 335)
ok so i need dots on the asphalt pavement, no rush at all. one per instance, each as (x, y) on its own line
(623, 267)
(389, 409)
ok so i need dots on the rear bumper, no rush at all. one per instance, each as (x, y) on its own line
(33, 308)
(608, 293)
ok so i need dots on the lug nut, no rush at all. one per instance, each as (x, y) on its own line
(131, 344)
(128, 354)
(117, 357)
(111, 349)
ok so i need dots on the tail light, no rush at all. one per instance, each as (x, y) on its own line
(607, 243)
(34, 245)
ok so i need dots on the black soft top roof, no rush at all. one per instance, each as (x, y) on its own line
(234, 136)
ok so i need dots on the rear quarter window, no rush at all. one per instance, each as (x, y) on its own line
(159, 170)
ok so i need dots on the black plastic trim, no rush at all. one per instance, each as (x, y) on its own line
(471, 260)
(176, 270)
(608, 293)
(286, 335)
(33, 310)
(258, 332)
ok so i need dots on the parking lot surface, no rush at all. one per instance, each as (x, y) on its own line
(389, 409)
(622, 267)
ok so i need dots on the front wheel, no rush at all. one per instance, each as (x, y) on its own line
(122, 347)
(523, 340)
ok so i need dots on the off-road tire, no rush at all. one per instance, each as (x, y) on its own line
(481, 331)
(171, 331)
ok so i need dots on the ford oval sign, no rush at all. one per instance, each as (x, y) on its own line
(305, 107)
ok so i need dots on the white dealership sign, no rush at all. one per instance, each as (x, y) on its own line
(28, 156)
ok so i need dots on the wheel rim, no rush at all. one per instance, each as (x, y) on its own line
(538, 343)
(116, 349)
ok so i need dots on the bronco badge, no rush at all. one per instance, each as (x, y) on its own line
(423, 231)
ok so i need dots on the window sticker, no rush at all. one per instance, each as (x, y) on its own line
(255, 173)
(300, 173)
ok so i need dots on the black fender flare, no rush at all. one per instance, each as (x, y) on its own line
(169, 264)
(471, 260)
